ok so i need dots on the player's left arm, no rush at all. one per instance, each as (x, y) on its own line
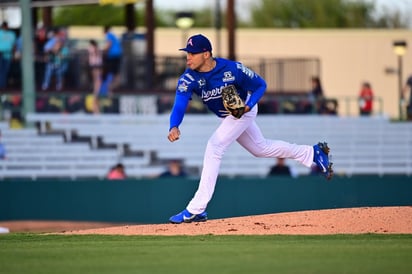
(253, 82)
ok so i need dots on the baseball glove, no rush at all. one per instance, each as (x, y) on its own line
(232, 101)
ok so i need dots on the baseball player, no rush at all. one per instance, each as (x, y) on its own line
(206, 77)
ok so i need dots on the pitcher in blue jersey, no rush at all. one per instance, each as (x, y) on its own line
(205, 76)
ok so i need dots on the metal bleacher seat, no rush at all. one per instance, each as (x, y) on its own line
(360, 145)
(30, 155)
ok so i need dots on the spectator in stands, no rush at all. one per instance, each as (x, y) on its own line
(18, 50)
(112, 58)
(408, 89)
(40, 40)
(317, 89)
(316, 95)
(280, 168)
(57, 53)
(117, 172)
(365, 99)
(2, 150)
(7, 47)
(95, 64)
(175, 169)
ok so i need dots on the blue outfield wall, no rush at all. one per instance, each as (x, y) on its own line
(154, 201)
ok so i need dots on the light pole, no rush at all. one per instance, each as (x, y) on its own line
(399, 48)
(218, 25)
(184, 21)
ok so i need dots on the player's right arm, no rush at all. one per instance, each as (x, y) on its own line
(182, 99)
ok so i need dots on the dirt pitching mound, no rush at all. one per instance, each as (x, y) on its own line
(380, 220)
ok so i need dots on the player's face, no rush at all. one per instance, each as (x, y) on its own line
(196, 61)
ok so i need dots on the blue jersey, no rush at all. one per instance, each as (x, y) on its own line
(208, 85)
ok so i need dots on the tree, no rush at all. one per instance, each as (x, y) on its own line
(320, 14)
(89, 15)
(264, 14)
(96, 15)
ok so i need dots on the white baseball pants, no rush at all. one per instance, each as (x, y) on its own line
(247, 133)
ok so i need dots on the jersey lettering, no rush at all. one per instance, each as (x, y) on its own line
(191, 78)
(184, 80)
(211, 94)
(247, 71)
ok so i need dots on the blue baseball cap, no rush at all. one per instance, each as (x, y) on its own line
(197, 44)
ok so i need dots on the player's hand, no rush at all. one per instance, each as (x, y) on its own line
(226, 113)
(174, 134)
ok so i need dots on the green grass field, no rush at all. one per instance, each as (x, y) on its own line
(59, 254)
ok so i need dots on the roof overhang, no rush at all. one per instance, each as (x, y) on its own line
(54, 3)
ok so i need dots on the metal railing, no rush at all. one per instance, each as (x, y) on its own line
(140, 73)
(272, 103)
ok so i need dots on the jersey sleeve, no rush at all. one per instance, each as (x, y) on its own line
(252, 82)
(182, 98)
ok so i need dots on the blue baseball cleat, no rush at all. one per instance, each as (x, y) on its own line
(321, 158)
(187, 217)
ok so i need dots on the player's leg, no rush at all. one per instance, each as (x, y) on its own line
(227, 133)
(229, 130)
(253, 141)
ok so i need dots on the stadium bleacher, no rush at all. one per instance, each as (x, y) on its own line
(360, 145)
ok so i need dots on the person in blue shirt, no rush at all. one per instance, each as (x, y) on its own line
(57, 53)
(205, 76)
(7, 47)
(112, 59)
